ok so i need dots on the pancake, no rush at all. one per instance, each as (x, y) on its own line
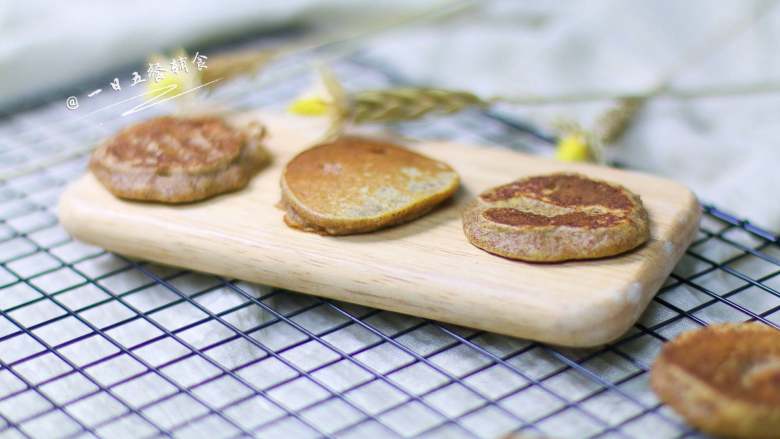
(356, 185)
(556, 217)
(178, 159)
(723, 379)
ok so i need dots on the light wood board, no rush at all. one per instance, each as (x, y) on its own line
(425, 268)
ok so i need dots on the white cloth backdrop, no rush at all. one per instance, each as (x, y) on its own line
(727, 149)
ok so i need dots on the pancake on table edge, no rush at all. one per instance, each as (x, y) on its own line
(173, 159)
(356, 185)
(723, 379)
(556, 217)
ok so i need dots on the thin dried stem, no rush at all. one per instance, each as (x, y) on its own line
(735, 90)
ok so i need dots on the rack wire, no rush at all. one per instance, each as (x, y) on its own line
(96, 344)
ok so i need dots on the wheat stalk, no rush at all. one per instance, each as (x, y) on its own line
(613, 123)
(408, 103)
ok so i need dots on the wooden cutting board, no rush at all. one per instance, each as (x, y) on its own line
(425, 268)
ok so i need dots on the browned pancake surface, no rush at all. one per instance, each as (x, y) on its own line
(567, 190)
(571, 191)
(356, 184)
(514, 217)
(741, 361)
(170, 143)
(178, 159)
(556, 217)
(724, 379)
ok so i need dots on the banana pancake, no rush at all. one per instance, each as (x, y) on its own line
(556, 217)
(723, 379)
(356, 185)
(178, 159)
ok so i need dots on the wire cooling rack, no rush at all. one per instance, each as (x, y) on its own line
(96, 344)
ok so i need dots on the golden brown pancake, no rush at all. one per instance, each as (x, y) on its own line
(356, 185)
(723, 379)
(178, 159)
(556, 217)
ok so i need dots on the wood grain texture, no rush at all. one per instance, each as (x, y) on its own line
(426, 268)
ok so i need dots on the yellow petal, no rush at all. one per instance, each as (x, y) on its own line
(309, 107)
(572, 148)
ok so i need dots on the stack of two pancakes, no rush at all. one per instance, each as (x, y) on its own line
(178, 160)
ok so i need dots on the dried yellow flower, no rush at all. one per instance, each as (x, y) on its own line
(573, 148)
(312, 106)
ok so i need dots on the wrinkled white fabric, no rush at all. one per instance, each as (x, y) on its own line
(727, 148)
(46, 44)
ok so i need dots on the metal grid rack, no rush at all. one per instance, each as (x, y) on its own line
(96, 344)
